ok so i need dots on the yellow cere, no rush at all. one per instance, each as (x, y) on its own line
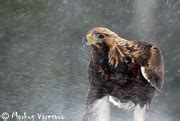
(90, 39)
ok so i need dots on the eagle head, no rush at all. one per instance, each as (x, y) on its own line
(100, 35)
(116, 45)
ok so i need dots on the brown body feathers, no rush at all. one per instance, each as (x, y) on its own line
(127, 70)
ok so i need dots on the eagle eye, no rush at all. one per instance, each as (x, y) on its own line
(101, 36)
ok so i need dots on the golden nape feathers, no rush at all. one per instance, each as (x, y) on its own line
(119, 48)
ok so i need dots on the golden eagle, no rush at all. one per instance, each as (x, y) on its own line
(126, 73)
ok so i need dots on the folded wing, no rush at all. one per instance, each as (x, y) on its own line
(153, 70)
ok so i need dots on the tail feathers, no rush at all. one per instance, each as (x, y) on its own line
(98, 111)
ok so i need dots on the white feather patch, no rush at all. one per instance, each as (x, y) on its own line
(139, 113)
(145, 76)
(99, 110)
(128, 105)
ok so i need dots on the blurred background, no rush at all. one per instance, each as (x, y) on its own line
(43, 63)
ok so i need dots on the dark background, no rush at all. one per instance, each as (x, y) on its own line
(43, 63)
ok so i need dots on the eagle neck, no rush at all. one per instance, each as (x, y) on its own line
(117, 51)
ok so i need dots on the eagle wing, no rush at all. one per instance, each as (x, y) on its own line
(153, 70)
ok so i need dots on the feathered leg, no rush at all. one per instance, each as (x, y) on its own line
(139, 113)
(98, 111)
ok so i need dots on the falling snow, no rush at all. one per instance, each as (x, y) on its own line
(43, 64)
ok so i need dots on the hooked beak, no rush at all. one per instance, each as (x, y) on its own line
(88, 40)
(85, 41)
